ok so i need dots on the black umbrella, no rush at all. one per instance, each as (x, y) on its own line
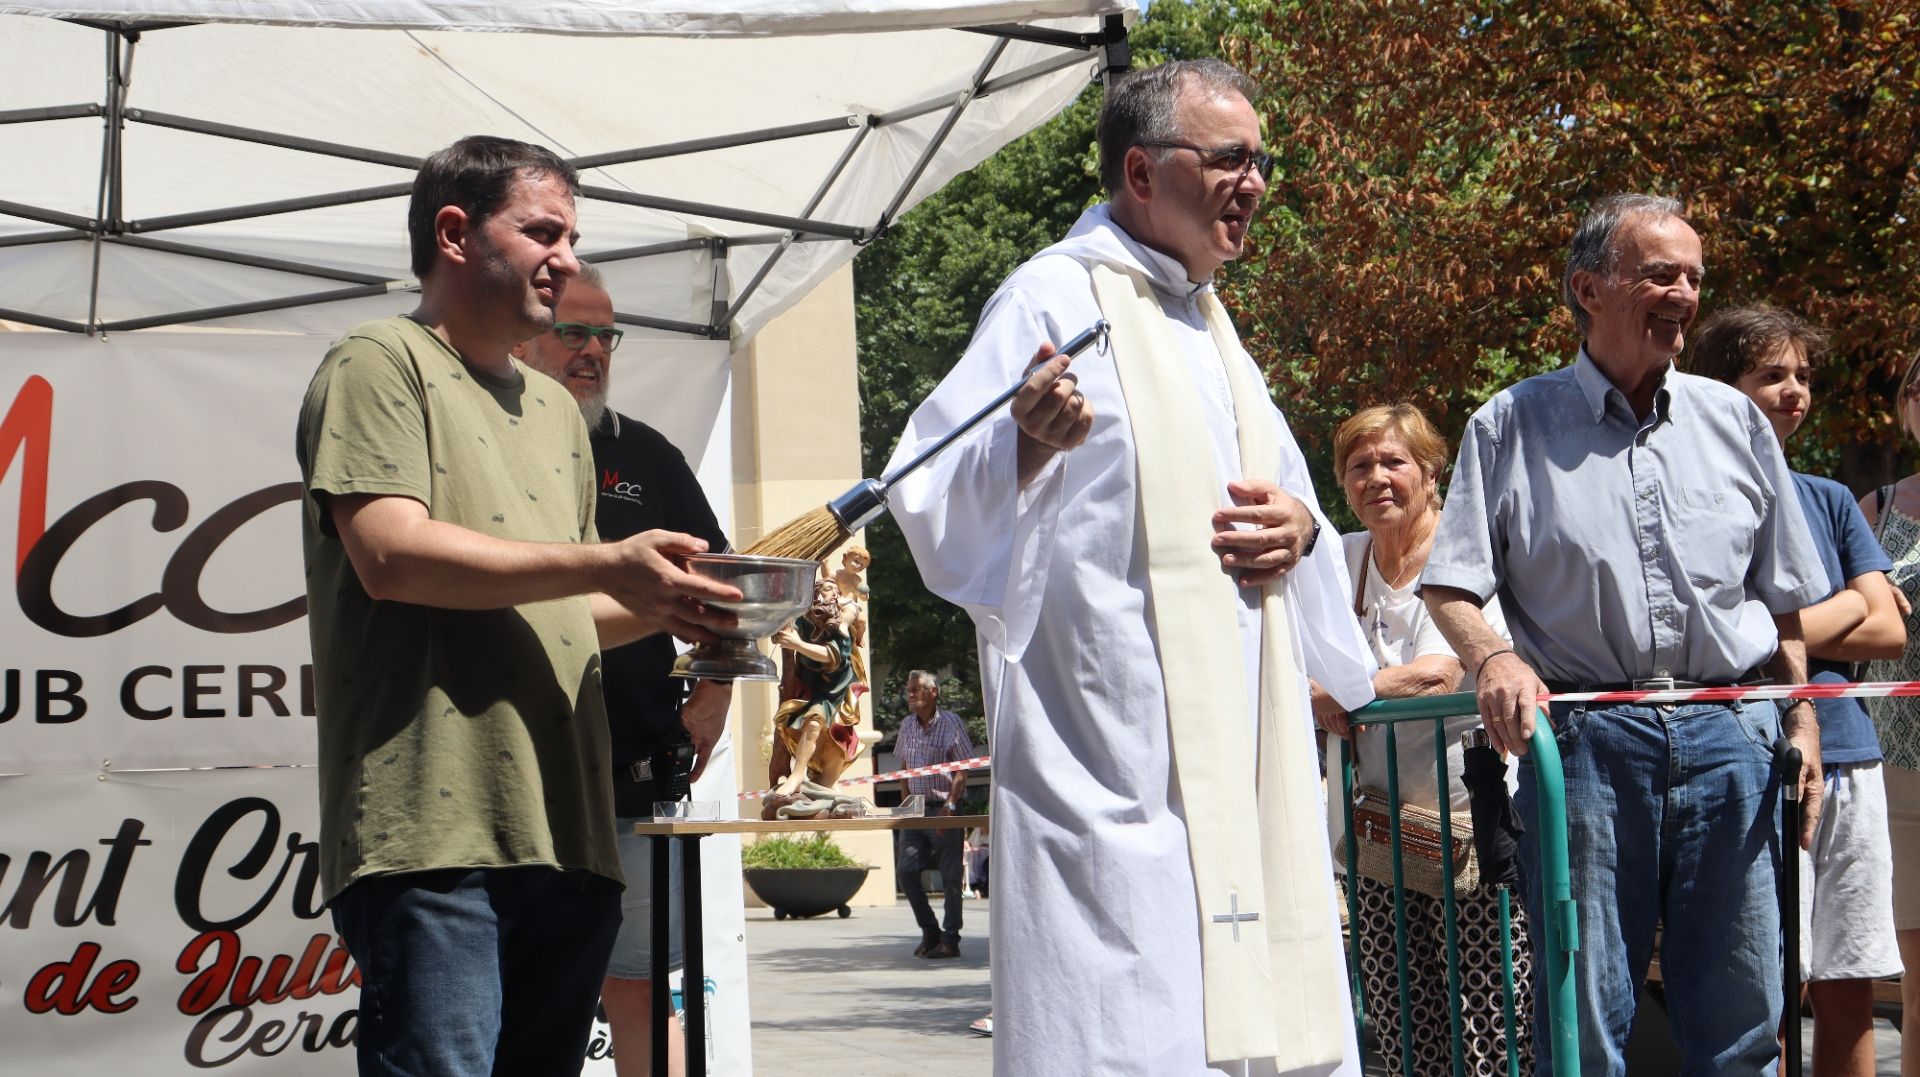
(1496, 826)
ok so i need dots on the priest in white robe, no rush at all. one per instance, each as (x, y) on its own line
(1153, 582)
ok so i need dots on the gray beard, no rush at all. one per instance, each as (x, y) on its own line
(594, 409)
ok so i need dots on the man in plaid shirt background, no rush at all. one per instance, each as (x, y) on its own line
(929, 736)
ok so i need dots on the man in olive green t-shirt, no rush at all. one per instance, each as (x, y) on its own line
(458, 600)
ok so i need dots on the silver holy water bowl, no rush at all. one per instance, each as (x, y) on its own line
(773, 592)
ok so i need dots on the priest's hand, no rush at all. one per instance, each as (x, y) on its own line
(1052, 413)
(1328, 714)
(1274, 544)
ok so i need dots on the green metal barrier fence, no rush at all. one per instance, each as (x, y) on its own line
(1556, 965)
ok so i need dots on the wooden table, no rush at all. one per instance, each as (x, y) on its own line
(693, 981)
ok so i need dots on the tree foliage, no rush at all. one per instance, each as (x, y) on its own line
(918, 292)
(1436, 156)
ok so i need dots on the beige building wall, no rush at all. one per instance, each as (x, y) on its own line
(796, 446)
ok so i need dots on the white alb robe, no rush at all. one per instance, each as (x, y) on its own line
(1095, 930)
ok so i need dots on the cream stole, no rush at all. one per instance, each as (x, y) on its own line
(1270, 966)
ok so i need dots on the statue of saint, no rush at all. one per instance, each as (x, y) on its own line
(853, 618)
(814, 741)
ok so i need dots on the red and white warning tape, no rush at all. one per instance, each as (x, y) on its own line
(912, 772)
(1745, 694)
(1863, 690)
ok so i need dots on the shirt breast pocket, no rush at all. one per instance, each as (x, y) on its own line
(1713, 536)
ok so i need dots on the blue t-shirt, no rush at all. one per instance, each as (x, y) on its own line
(1847, 549)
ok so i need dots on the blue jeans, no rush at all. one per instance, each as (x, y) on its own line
(1672, 816)
(465, 972)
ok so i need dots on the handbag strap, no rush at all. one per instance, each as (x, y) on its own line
(1881, 507)
(1360, 580)
(1359, 596)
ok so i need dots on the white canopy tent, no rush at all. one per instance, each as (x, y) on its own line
(194, 196)
(246, 164)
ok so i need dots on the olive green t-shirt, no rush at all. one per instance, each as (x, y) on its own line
(450, 738)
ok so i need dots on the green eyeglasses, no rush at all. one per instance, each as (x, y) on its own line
(576, 334)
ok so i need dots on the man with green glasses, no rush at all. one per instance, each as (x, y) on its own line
(576, 351)
(662, 734)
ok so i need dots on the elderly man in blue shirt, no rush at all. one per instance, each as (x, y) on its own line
(1641, 530)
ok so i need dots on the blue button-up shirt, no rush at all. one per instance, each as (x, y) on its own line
(1624, 549)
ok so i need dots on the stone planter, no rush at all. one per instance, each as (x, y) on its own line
(800, 892)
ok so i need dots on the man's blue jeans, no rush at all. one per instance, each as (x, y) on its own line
(1672, 816)
(466, 972)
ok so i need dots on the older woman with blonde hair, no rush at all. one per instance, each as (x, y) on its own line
(1388, 460)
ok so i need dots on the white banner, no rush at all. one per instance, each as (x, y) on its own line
(148, 515)
(149, 512)
(170, 923)
(149, 508)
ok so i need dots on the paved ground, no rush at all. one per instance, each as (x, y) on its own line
(872, 1009)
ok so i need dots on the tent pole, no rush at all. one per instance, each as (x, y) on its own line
(960, 103)
(1038, 35)
(258, 306)
(127, 26)
(786, 241)
(255, 261)
(665, 324)
(1025, 74)
(267, 209)
(1028, 74)
(50, 112)
(716, 142)
(1117, 49)
(262, 306)
(44, 322)
(717, 328)
(1113, 31)
(726, 317)
(109, 169)
(30, 238)
(622, 254)
(273, 138)
(839, 166)
(724, 213)
(762, 239)
(117, 187)
(50, 216)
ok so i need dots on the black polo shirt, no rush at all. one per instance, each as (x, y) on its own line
(645, 484)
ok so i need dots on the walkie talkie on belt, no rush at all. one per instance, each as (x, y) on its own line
(663, 776)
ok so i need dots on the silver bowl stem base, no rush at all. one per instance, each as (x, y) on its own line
(728, 660)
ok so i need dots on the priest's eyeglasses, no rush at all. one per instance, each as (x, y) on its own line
(574, 335)
(1236, 159)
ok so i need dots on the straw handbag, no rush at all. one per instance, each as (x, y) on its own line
(1421, 868)
(1420, 863)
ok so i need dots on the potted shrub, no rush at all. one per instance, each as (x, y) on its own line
(802, 876)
